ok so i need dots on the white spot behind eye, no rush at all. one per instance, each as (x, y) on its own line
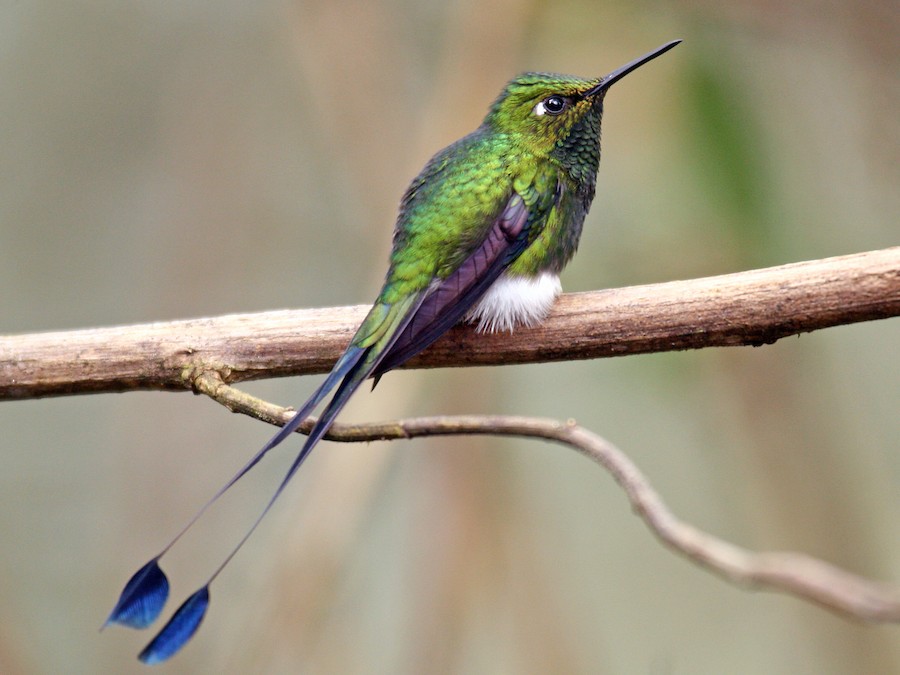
(539, 109)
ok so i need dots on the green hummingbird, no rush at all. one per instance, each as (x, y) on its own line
(482, 235)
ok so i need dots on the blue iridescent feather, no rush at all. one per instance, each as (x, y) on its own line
(181, 627)
(142, 599)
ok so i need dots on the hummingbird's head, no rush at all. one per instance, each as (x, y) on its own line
(547, 111)
(542, 108)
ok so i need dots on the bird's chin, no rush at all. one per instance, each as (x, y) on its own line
(515, 301)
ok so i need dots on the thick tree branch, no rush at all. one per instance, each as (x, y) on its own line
(748, 308)
(800, 575)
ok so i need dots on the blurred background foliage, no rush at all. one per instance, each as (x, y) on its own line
(172, 160)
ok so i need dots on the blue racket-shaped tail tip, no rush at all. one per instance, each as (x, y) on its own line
(142, 599)
(181, 628)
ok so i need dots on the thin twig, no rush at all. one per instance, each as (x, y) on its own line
(747, 308)
(800, 575)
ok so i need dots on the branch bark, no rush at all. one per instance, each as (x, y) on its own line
(748, 308)
(800, 575)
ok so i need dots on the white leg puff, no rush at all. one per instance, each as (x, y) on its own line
(515, 301)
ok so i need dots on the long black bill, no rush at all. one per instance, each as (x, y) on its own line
(619, 73)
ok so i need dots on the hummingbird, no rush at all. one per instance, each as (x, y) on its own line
(482, 235)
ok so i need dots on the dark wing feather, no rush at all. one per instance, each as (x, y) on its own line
(452, 297)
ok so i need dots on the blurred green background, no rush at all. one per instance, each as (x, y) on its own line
(175, 160)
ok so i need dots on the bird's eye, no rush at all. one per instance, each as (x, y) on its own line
(552, 105)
